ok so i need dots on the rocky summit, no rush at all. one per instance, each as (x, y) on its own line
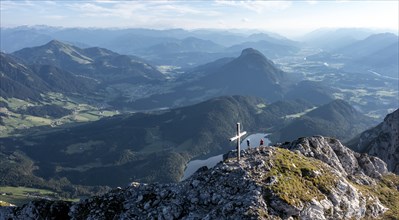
(382, 141)
(310, 178)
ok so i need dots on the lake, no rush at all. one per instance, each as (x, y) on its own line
(194, 165)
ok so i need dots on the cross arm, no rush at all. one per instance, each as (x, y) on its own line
(238, 136)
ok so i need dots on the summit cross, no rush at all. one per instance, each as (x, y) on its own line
(238, 138)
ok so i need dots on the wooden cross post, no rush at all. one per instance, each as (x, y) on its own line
(238, 138)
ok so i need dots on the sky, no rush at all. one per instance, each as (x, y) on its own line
(290, 18)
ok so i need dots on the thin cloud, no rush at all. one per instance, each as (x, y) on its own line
(312, 2)
(51, 2)
(37, 7)
(131, 9)
(56, 17)
(256, 6)
(105, 1)
(12, 5)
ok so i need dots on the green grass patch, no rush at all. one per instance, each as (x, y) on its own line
(14, 103)
(300, 179)
(2, 203)
(391, 93)
(300, 114)
(82, 113)
(37, 121)
(262, 105)
(260, 108)
(386, 190)
(82, 147)
(21, 195)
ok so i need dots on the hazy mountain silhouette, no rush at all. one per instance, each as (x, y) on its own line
(250, 74)
(336, 119)
(332, 39)
(378, 53)
(24, 81)
(98, 63)
(313, 92)
(368, 46)
(190, 44)
(270, 49)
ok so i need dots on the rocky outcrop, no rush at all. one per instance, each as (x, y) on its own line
(40, 209)
(318, 178)
(347, 162)
(382, 141)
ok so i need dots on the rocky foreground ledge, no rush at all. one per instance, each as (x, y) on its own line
(310, 178)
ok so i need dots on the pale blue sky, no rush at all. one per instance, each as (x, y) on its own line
(286, 17)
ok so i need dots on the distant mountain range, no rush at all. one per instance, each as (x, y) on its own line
(98, 63)
(31, 73)
(193, 51)
(24, 81)
(126, 40)
(190, 44)
(330, 39)
(272, 49)
(249, 74)
(377, 53)
(115, 78)
(369, 45)
(176, 47)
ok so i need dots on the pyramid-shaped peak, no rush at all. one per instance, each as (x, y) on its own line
(335, 110)
(341, 104)
(251, 51)
(57, 43)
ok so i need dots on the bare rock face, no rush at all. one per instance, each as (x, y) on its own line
(382, 141)
(314, 178)
(343, 159)
(40, 209)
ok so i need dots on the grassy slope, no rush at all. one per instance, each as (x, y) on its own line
(301, 179)
(16, 123)
(296, 184)
(21, 195)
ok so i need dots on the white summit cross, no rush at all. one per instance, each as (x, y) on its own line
(238, 138)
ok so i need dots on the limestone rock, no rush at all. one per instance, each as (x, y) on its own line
(382, 141)
(343, 159)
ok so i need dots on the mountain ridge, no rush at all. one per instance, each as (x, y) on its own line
(381, 141)
(24, 81)
(330, 181)
(250, 74)
(116, 146)
(337, 119)
(96, 62)
(369, 45)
